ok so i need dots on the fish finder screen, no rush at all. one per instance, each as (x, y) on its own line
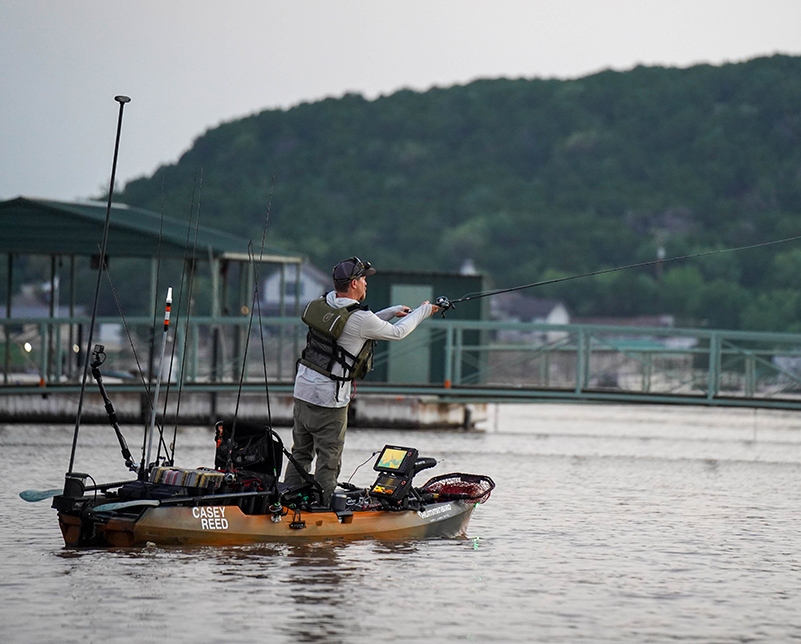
(391, 459)
(399, 460)
(386, 485)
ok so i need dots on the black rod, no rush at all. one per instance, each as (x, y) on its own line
(122, 100)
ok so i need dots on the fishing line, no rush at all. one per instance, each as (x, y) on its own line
(177, 316)
(446, 304)
(258, 305)
(156, 291)
(241, 372)
(177, 320)
(149, 432)
(254, 303)
(257, 301)
(192, 271)
(131, 343)
(129, 336)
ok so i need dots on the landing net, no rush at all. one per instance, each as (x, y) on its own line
(467, 487)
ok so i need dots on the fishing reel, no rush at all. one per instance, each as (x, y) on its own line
(444, 304)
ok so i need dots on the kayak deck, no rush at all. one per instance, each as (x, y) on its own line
(228, 525)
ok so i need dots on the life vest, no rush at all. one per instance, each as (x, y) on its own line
(322, 351)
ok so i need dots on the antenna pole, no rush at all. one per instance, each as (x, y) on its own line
(122, 100)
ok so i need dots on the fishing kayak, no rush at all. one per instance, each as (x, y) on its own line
(213, 507)
(241, 500)
(224, 525)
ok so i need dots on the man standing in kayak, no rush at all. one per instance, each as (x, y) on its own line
(339, 348)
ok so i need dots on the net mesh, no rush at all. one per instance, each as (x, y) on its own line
(467, 487)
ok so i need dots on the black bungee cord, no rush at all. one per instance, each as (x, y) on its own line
(444, 303)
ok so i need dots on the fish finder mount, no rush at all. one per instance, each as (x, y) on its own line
(396, 467)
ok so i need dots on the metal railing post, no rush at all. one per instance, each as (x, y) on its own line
(282, 313)
(58, 370)
(647, 368)
(457, 367)
(750, 374)
(45, 354)
(713, 378)
(580, 359)
(448, 356)
(542, 363)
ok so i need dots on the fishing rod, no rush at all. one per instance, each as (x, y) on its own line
(254, 303)
(242, 371)
(257, 301)
(128, 334)
(258, 304)
(146, 459)
(122, 100)
(190, 265)
(150, 400)
(155, 290)
(445, 304)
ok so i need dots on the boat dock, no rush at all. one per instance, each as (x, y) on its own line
(59, 405)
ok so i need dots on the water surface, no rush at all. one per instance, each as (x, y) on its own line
(608, 524)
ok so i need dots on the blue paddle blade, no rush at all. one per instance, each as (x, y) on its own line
(32, 496)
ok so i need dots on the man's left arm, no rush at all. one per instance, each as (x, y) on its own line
(372, 327)
(398, 311)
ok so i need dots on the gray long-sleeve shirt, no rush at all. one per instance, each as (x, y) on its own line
(317, 389)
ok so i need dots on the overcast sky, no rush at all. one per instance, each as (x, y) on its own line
(190, 65)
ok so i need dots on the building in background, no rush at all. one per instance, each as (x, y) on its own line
(517, 307)
(299, 284)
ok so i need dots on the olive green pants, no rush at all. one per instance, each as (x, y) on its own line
(318, 431)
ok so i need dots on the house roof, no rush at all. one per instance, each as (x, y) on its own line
(47, 227)
(524, 307)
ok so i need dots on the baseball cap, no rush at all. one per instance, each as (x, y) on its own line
(351, 269)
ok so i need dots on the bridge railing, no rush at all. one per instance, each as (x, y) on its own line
(650, 363)
(203, 349)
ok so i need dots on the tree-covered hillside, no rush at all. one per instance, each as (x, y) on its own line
(533, 179)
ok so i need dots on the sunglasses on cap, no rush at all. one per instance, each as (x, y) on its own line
(351, 269)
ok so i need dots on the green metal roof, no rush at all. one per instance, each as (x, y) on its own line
(45, 227)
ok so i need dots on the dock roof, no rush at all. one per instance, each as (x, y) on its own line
(47, 227)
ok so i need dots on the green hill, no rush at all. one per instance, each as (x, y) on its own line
(533, 179)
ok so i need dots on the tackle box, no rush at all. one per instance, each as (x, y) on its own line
(200, 478)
